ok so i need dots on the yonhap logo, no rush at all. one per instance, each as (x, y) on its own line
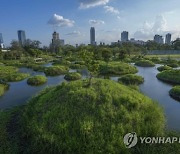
(130, 140)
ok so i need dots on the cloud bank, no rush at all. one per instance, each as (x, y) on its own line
(96, 22)
(85, 4)
(149, 29)
(74, 33)
(110, 9)
(60, 21)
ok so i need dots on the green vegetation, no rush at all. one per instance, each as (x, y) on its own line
(175, 93)
(145, 63)
(11, 74)
(62, 62)
(72, 76)
(3, 88)
(77, 66)
(116, 68)
(170, 76)
(73, 117)
(37, 80)
(131, 79)
(174, 65)
(164, 68)
(56, 70)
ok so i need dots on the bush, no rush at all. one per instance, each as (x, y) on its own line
(164, 68)
(170, 76)
(75, 118)
(116, 68)
(131, 79)
(56, 70)
(175, 93)
(72, 76)
(145, 63)
(37, 80)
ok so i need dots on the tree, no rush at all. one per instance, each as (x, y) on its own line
(16, 46)
(35, 44)
(92, 65)
(122, 53)
(34, 52)
(106, 54)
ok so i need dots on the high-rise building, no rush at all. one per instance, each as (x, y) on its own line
(1, 41)
(158, 39)
(56, 42)
(92, 36)
(22, 37)
(168, 39)
(124, 36)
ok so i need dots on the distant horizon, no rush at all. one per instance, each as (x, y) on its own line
(73, 19)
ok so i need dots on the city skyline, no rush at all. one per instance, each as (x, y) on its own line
(72, 19)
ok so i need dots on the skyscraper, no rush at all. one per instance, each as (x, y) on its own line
(168, 39)
(56, 42)
(158, 39)
(124, 36)
(22, 37)
(92, 36)
(1, 41)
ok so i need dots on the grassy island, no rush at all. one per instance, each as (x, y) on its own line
(175, 93)
(145, 63)
(116, 68)
(170, 76)
(72, 76)
(37, 80)
(73, 117)
(56, 70)
(131, 79)
(3, 88)
(11, 74)
(164, 68)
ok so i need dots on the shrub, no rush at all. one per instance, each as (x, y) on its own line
(164, 68)
(56, 70)
(145, 63)
(175, 93)
(171, 76)
(72, 76)
(116, 68)
(37, 80)
(131, 79)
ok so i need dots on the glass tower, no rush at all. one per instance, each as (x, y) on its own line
(21, 37)
(92, 36)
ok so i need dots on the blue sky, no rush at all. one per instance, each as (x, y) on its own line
(73, 19)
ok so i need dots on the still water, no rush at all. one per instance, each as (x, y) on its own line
(159, 91)
(20, 92)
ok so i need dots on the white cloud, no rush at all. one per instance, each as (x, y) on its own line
(60, 21)
(111, 9)
(96, 22)
(149, 29)
(75, 33)
(84, 4)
